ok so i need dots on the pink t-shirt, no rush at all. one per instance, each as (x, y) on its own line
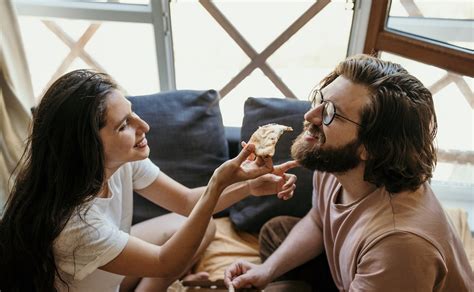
(389, 242)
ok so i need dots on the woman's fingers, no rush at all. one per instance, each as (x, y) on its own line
(290, 180)
(251, 156)
(288, 188)
(284, 167)
(245, 153)
(287, 194)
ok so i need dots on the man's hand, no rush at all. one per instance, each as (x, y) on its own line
(242, 274)
(278, 182)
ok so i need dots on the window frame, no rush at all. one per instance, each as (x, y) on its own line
(156, 13)
(381, 38)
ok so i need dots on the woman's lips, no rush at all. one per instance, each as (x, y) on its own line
(142, 143)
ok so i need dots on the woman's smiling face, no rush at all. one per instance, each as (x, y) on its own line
(123, 136)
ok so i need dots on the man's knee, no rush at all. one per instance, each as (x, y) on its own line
(273, 233)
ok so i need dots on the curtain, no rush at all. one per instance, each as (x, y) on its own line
(16, 97)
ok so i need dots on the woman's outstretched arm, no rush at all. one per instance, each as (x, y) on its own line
(140, 258)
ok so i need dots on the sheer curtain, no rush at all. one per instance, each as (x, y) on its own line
(16, 96)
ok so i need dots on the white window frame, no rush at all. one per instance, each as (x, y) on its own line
(360, 23)
(157, 14)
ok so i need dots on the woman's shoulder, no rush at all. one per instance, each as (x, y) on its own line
(87, 224)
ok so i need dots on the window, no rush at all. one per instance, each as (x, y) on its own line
(240, 48)
(54, 47)
(433, 40)
(444, 22)
(129, 41)
(257, 48)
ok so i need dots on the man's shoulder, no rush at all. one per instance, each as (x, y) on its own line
(404, 244)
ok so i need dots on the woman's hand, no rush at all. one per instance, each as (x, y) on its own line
(278, 182)
(240, 168)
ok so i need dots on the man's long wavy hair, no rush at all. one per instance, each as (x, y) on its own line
(61, 169)
(398, 126)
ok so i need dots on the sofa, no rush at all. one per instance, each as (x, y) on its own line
(188, 141)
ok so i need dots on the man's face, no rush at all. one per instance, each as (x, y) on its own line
(335, 147)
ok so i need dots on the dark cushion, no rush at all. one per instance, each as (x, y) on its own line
(232, 135)
(251, 213)
(186, 139)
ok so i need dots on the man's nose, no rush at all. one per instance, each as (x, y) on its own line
(315, 115)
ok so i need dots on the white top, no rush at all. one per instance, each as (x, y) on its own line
(85, 245)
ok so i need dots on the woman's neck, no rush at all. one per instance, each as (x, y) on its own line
(104, 191)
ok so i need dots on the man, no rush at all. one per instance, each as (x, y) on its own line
(369, 136)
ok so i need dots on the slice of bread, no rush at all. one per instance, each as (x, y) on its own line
(266, 137)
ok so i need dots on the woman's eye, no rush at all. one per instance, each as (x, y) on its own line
(122, 127)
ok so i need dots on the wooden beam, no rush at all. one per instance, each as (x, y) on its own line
(456, 156)
(260, 59)
(77, 50)
(246, 47)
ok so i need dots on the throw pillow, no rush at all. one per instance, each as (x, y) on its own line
(252, 212)
(186, 139)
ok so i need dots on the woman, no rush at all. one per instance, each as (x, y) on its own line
(67, 221)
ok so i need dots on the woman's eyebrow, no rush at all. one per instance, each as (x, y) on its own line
(124, 118)
(121, 121)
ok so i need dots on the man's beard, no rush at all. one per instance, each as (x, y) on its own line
(333, 160)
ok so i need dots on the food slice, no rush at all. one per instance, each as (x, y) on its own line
(266, 137)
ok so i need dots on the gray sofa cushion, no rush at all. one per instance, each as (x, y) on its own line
(186, 139)
(251, 213)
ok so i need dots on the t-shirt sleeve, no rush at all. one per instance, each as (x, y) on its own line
(83, 247)
(144, 172)
(400, 262)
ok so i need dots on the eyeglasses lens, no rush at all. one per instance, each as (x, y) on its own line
(328, 113)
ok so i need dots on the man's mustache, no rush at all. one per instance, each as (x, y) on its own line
(314, 131)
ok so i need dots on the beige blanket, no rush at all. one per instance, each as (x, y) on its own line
(228, 246)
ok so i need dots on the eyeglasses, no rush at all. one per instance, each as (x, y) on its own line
(329, 110)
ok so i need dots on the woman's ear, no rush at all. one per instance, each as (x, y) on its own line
(363, 154)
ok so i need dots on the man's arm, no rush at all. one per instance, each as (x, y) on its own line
(304, 242)
(399, 262)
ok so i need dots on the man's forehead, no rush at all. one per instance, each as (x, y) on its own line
(346, 95)
(344, 90)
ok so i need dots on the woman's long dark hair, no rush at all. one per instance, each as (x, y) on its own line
(62, 168)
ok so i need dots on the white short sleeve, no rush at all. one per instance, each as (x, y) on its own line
(144, 173)
(100, 234)
(83, 247)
